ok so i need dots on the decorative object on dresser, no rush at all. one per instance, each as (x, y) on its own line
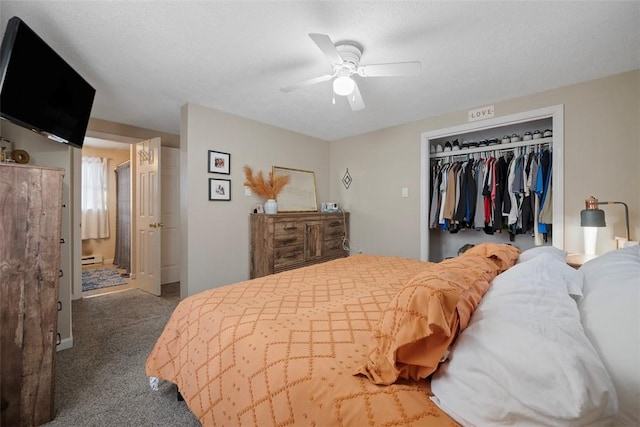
(6, 147)
(300, 194)
(291, 240)
(591, 218)
(268, 189)
(31, 198)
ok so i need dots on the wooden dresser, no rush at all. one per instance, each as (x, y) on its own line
(286, 241)
(30, 223)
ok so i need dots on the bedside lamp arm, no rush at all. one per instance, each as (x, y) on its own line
(626, 213)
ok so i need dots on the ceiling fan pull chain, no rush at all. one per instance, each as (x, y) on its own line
(334, 99)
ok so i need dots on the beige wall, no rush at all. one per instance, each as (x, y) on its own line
(215, 235)
(106, 247)
(601, 152)
(111, 130)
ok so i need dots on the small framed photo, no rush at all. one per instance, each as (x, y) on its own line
(219, 189)
(219, 162)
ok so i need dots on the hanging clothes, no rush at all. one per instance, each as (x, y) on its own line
(510, 192)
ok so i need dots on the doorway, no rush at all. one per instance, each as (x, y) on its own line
(169, 173)
(106, 258)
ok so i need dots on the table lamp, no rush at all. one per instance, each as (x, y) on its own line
(591, 218)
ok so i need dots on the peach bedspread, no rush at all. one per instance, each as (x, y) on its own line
(283, 349)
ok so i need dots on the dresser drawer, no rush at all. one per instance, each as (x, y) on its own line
(333, 228)
(333, 247)
(288, 233)
(288, 255)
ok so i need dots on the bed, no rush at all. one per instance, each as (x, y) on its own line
(388, 341)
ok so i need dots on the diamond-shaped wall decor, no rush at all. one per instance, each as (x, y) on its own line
(346, 179)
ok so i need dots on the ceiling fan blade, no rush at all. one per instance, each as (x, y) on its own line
(327, 47)
(390, 70)
(355, 99)
(305, 83)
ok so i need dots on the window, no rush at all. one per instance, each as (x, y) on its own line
(95, 191)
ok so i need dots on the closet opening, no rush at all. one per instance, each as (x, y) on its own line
(474, 184)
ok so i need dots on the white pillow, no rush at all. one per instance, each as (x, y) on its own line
(524, 358)
(532, 253)
(610, 314)
(573, 281)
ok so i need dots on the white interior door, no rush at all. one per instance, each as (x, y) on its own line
(170, 215)
(148, 227)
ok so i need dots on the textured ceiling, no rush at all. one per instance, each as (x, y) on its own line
(148, 58)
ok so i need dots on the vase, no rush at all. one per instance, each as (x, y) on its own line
(271, 207)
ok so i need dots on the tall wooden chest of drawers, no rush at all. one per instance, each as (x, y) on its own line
(30, 222)
(286, 241)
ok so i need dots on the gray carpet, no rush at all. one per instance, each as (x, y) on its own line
(101, 380)
(101, 278)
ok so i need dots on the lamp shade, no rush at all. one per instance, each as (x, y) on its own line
(343, 85)
(592, 218)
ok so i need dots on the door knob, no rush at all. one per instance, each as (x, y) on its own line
(153, 225)
(160, 224)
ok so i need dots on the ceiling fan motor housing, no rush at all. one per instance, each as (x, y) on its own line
(351, 55)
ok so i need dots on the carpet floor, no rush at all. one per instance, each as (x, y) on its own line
(101, 380)
(101, 278)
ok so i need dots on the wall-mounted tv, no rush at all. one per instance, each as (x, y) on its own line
(39, 90)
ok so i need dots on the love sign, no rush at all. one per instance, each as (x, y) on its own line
(482, 113)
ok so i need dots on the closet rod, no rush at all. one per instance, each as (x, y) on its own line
(494, 149)
(528, 143)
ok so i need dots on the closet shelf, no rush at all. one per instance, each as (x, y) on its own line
(497, 147)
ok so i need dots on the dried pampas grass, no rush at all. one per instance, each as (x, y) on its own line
(267, 189)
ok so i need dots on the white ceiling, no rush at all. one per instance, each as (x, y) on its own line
(148, 58)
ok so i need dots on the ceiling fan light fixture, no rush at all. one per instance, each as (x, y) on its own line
(343, 86)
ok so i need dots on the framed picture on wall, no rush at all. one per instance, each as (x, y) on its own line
(219, 189)
(219, 162)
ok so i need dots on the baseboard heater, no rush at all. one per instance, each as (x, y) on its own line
(91, 259)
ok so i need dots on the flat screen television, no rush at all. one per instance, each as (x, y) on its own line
(39, 90)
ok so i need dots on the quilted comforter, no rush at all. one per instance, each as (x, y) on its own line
(283, 349)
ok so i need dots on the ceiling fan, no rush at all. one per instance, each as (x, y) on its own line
(345, 61)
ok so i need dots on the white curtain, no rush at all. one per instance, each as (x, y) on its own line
(95, 189)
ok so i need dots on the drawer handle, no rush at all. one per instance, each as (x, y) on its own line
(335, 223)
(288, 241)
(290, 228)
(293, 255)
